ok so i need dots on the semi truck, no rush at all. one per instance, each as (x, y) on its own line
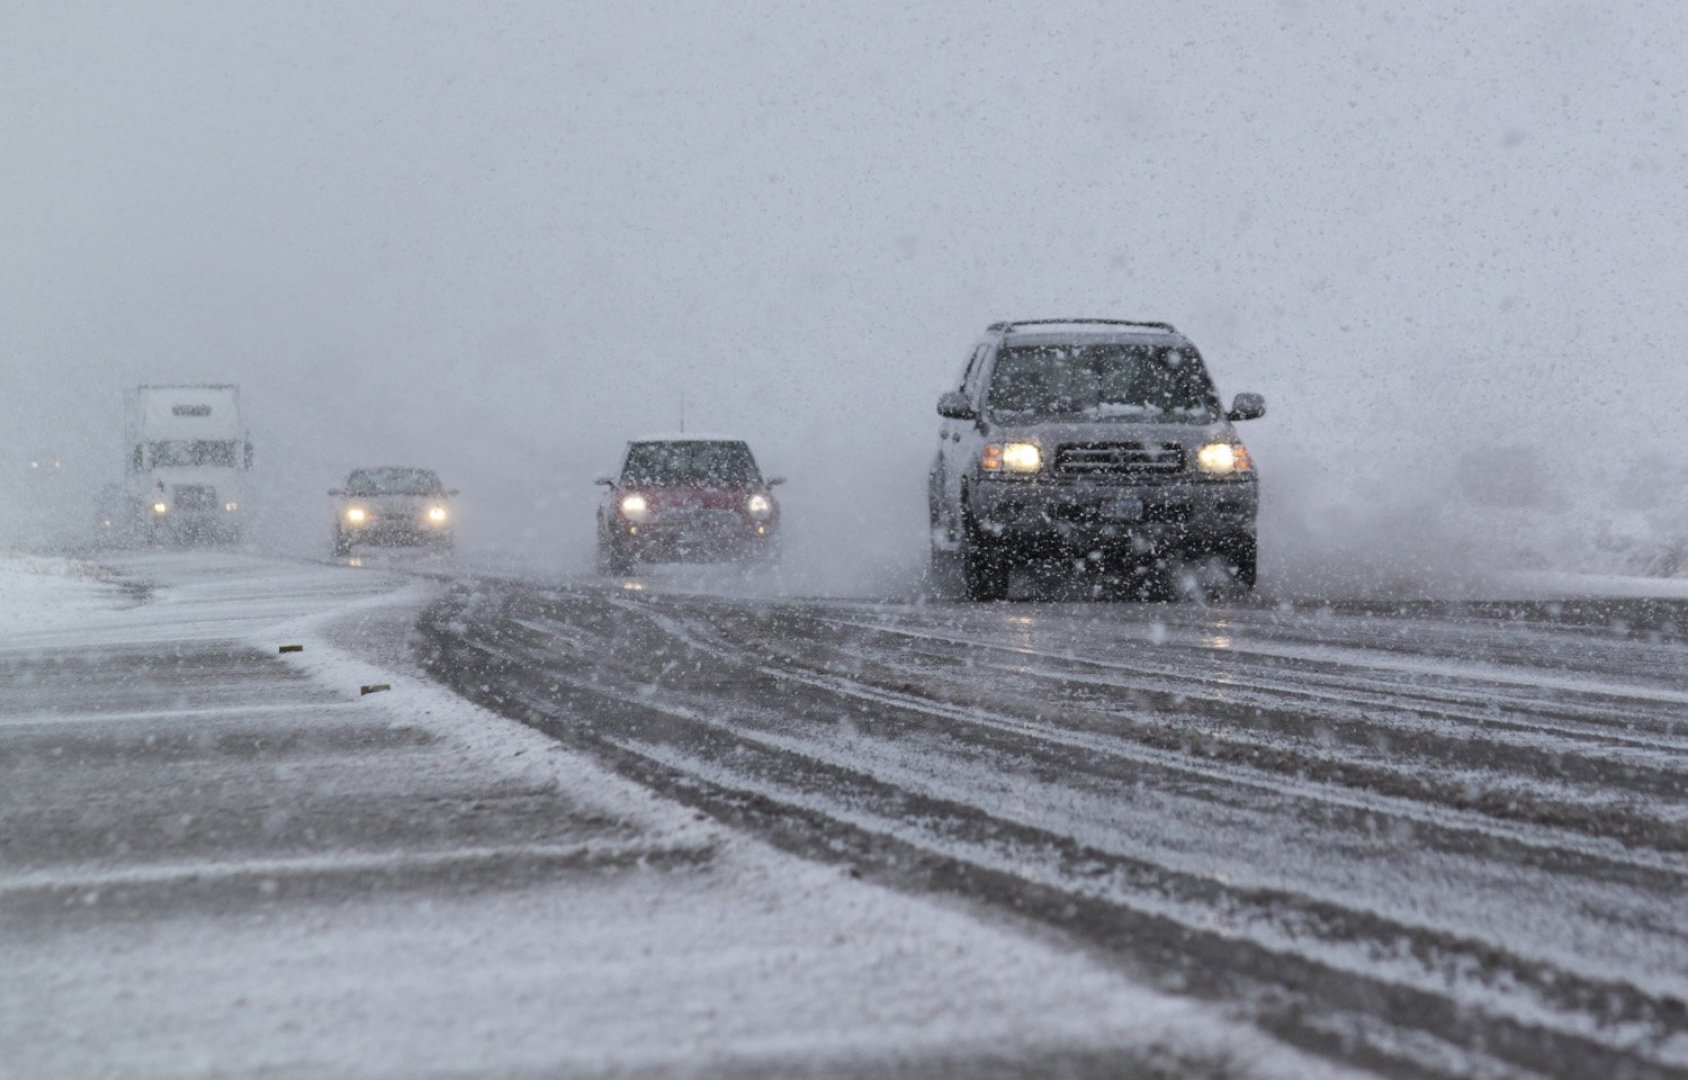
(188, 458)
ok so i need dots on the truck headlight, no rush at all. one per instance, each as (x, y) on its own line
(436, 514)
(634, 507)
(1223, 459)
(1014, 457)
(357, 515)
(760, 506)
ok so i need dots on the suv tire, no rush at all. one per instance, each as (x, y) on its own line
(984, 570)
(1242, 550)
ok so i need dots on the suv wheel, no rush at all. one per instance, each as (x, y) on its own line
(1242, 551)
(342, 544)
(984, 570)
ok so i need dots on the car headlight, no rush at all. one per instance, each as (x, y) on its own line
(436, 514)
(1014, 457)
(634, 507)
(760, 506)
(160, 508)
(1223, 458)
(357, 515)
(231, 507)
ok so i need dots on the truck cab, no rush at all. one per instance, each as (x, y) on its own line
(188, 457)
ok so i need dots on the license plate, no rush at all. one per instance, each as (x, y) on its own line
(1123, 510)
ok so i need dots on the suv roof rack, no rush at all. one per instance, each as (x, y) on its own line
(1009, 327)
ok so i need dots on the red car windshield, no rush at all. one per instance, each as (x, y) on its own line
(690, 464)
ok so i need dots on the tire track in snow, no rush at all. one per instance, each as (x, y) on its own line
(698, 724)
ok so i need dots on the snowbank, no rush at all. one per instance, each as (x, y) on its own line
(39, 593)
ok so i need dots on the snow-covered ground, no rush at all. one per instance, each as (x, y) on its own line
(38, 593)
(219, 860)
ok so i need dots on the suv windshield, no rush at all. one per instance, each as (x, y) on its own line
(394, 482)
(1101, 382)
(726, 464)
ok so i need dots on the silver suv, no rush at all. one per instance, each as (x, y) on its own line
(1089, 439)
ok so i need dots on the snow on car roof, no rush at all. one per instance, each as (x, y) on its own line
(1088, 329)
(1058, 338)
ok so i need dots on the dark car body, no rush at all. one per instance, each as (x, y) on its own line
(394, 506)
(687, 499)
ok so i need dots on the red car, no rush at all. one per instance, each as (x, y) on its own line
(687, 499)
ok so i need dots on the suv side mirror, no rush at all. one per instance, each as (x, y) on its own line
(607, 481)
(1247, 407)
(452, 492)
(336, 492)
(955, 406)
(774, 480)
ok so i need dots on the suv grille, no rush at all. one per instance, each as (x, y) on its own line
(1118, 458)
(195, 497)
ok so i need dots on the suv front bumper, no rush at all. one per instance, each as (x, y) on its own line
(1058, 517)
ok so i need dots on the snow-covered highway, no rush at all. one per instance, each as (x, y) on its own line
(217, 859)
(1425, 838)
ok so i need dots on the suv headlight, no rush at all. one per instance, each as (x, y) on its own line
(437, 515)
(760, 506)
(1014, 457)
(634, 507)
(1223, 459)
(357, 515)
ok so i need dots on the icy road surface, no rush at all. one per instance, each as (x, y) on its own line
(218, 860)
(1428, 839)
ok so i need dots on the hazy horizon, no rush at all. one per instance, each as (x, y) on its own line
(1444, 243)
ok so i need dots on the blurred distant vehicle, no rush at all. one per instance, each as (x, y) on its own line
(393, 506)
(118, 516)
(687, 499)
(1098, 441)
(188, 458)
(36, 504)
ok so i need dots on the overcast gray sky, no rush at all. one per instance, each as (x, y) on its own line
(499, 239)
